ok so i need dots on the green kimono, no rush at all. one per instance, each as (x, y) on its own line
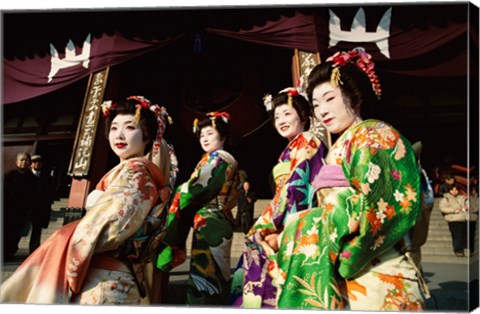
(204, 203)
(345, 253)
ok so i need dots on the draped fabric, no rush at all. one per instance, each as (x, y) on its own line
(287, 32)
(431, 49)
(31, 77)
(417, 40)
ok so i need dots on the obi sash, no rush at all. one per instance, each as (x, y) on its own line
(330, 176)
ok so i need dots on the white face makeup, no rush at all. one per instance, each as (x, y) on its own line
(330, 108)
(287, 122)
(126, 138)
(210, 139)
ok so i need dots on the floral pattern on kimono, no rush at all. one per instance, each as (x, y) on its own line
(203, 202)
(294, 192)
(117, 210)
(342, 252)
(129, 194)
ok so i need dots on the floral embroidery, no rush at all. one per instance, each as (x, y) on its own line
(354, 224)
(397, 175)
(375, 223)
(346, 254)
(378, 242)
(365, 187)
(398, 196)
(373, 172)
(390, 211)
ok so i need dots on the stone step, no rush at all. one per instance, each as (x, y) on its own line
(59, 204)
(442, 232)
(448, 259)
(437, 248)
(440, 243)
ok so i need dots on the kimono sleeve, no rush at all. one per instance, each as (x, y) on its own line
(306, 161)
(115, 216)
(205, 183)
(380, 166)
(297, 193)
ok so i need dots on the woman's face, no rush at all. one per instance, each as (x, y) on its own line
(287, 122)
(330, 108)
(454, 191)
(210, 139)
(126, 138)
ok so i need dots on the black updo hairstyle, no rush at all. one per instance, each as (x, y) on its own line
(221, 126)
(299, 103)
(356, 88)
(147, 121)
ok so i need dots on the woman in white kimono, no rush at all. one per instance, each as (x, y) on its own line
(100, 258)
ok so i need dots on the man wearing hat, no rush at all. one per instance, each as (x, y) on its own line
(40, 216)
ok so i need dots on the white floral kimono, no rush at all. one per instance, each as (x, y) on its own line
(92, 260)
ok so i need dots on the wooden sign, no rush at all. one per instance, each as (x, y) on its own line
(303, 63)
(87, 126)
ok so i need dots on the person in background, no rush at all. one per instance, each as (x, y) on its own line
(20, 198)
(242, 176)
(455, 209)
(290, 112)
(447, 181)
(473, 215)
(347, 253)
(204, 203)
(40, 216)
(419, 233)
(245, 207)
(100, 259)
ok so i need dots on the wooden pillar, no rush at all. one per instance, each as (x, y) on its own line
(302, 64)
(90, 151)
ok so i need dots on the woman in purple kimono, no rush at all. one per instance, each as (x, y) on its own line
(293, 176)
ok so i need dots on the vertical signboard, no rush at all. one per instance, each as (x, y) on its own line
(87, 126)
(303, 63)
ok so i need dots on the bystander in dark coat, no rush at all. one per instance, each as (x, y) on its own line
(20, 196)
(245, 207)
(40, 216)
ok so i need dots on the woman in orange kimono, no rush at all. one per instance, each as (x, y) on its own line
(101, 258)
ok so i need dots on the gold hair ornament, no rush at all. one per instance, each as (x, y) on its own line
(291, 91)
(195, 125)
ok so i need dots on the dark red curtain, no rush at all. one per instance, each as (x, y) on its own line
(425, 40)
(298, 31)
(29, 77)
(412, 40)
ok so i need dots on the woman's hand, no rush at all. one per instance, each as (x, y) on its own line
(271, 239)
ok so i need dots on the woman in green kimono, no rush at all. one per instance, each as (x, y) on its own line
(204, 202)
(347, 252)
